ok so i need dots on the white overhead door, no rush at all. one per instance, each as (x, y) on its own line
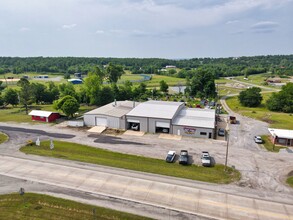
(101, 121)
(162, 124)
(133, 121)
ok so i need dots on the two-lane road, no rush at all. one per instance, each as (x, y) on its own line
(146, 191)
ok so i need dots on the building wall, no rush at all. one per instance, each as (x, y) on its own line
(142, 121)
(89, 120)
(53, 117)
(122, 122)
(113, 122)
(193, 131)
(152, 124)
(38, 118)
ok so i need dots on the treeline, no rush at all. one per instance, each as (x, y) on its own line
(232, 66)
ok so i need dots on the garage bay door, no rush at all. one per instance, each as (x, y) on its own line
(101, 121)
(162, 124)
(133, 121)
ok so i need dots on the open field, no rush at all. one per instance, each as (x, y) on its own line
(17, 114)
(259, 79)
(37, 206)
(3, 138)
(224, 90)
(171, 81)
(78, 152)
(275, 119)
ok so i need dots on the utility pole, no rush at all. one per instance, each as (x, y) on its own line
(227, 147)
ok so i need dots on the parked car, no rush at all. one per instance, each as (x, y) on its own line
(221, 132)
(165, 130)
(170, 156)
(206, 159)
(257, 139)
(183, 158)
(135, 127)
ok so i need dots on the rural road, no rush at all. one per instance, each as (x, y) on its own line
(152, 191)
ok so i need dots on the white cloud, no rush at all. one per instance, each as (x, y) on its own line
(100, 32)
(24, 29)
(69, 26)
(232, 22)
(264, 27)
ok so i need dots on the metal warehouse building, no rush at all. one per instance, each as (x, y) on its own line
(111, 115)
(155, 117)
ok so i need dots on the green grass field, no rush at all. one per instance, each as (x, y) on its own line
(275, 119)
(37, 206)
(290, 181)
(3, 138)
(73, 151)
(223, 90)
(18, 114)
(171, 81)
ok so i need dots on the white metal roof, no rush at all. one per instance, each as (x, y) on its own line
(195, 117)
(120, 109)
(281, 133)
(40, 113)
(156, 109)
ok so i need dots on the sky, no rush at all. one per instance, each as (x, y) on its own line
(173, 29)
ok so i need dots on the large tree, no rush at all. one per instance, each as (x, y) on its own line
(282, 101)
(25, 94)
(114, 72)
(202, 84)
(10, 97)
(164, 86)
(67, 104)
(250, 97)
(92, 85)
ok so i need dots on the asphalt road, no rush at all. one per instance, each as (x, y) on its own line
(151, 191)
(262, 173)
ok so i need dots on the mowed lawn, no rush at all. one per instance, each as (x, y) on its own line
(37, 206)
(73, 151)
(275, 119)
(18, 114)
(290, 181)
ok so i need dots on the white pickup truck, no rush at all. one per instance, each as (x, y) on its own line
(206, 159)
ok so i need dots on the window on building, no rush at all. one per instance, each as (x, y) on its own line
(203, 133)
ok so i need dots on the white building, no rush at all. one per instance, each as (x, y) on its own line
(155, 117)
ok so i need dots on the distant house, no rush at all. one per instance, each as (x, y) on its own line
(273, 80)
(45, 116)
(75, 81)
(170, 67)
(77, 75)
(281, 136)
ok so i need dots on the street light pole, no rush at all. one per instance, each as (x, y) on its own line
(227, 147)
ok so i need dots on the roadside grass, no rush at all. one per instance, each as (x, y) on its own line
(18, 114)
(275, 119)
(269, 145)
(222, 81)
(39, 206)
(83, 153)
(3, 137)
(290, 181)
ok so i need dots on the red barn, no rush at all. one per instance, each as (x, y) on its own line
(45, 116)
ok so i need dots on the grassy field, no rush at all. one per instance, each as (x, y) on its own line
(223, 90)
(275, 119)
(3, 138)
(18, 114)
(269, 145)
(73, 151)
(171, 81)
(37, 206)
(129, 77)
(290, 181)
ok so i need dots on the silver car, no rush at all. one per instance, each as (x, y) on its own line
(258, 140)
